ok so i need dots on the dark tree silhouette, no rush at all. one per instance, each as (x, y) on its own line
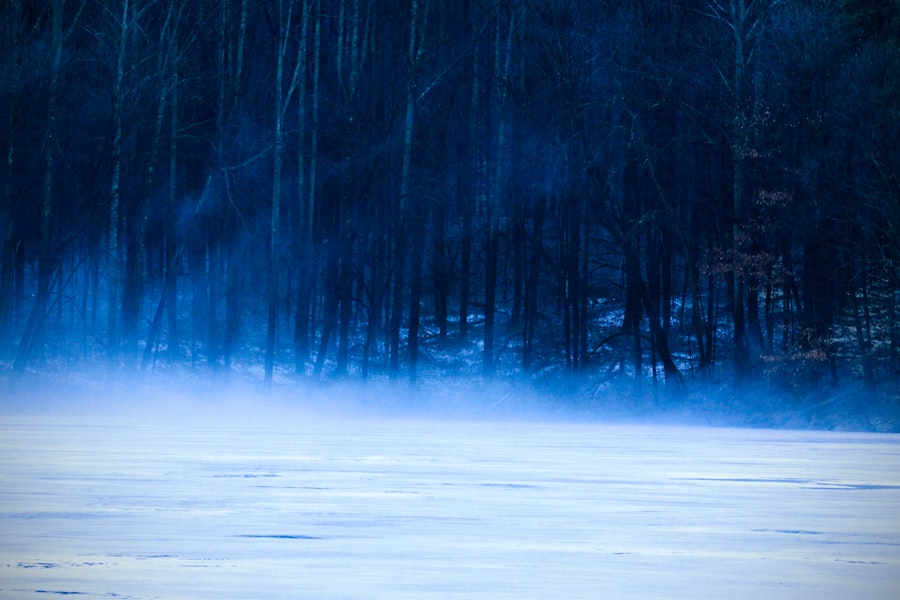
(702, 194)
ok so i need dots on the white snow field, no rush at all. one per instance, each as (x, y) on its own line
(452, 509)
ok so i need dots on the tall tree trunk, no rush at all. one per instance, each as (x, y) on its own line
(306, 179)
(172, 253)
(132, 288)
(415, 292)
(167, 71)
(399, 261)
(440, 268)
(303, 331)
(584, 275)
(350, 58)
(739, 17)
(490, 287)
(34, 329)
(472, 181)
(114, 266)
(379, 283)
(530, 300)
(272, 281)
(497, 185)
(517, 246)
(331, 300)
(345, 301)
(741, 145)
(9, 207)
(412, 218)
(632, 268)
(283, 95)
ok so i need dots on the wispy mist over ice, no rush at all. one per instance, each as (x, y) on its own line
(203, 398)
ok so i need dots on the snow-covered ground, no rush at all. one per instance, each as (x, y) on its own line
(304, 507)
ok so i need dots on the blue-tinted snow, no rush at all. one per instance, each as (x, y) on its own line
(306, 508)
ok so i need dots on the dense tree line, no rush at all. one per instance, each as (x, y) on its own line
(676, 194)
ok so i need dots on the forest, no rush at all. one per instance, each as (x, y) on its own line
(665, 200)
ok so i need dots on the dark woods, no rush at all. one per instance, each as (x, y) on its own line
(666, 196)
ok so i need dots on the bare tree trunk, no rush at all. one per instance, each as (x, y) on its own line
(739, 17)
(379, 284)
(517, 245)
(345, 301)
(497, 192)
(10, 247)
(472, 182)
(272, 283)
(410, 215)
(114, 266)
(584, 274)
(34, 329)
(306, 190)
(331, 295)
(440, 268)
(530, 299)
(415, 290)
(490, 286)
(167, 70)
(282, 100)
(172, 253)
(234, 300)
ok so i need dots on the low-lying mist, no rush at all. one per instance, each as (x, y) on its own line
(234, 399)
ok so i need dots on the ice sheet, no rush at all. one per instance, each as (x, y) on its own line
(453, 509)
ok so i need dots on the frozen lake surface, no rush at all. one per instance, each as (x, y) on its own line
(453, 509)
